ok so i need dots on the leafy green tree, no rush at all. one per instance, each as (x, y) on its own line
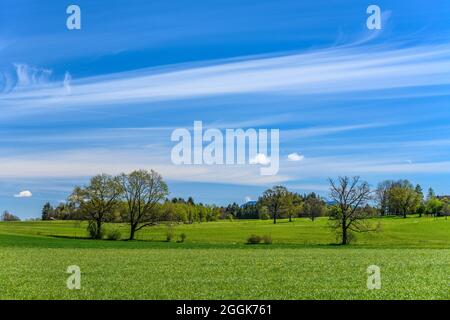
(293, 205)
(313, 206)
(181, 212)
(249, 210)
(202, 212)
(446, 209)
(192, 213)
(214, 213)
(168, 211)
(434, 206)
(191, 201)
(47, 211)
(403, 198)
(275, 199)
(233, 209)
(97, 201)
(419, 192)
(430, 194)
(420, 207)
(66, 211)
(263, 212)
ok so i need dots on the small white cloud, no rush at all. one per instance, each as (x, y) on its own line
(247, 199)
(260, 158)
(408, 161)
(24, 194)
(295, 157)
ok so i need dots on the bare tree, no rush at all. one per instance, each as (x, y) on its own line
(351, 195)
(142, 191)
(97, 201)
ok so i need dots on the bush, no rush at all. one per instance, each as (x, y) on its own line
(169, 234)
(182, 237)
(254, 239)
(113, 234)
(265, 216)
(230, 217)
(93, 233)
(267, 239)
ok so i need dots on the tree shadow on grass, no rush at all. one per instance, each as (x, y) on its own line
(146, 240)
(87, 238)
(68, 237)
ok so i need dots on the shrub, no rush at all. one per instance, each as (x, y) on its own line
(182, 237)
(169, 234)
(265, 216)
(230, 217)
(113, 234)
(267, 239)
(254, 239)
(93, 233)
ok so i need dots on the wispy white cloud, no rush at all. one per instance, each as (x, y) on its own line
(322, 131)
(28, 76)
(308, 187)
(395, 143)
(336, 70)
(26, 79)
(89, 162)
(314, 167)
(254, 122)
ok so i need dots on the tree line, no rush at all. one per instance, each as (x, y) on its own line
(140, 200)
(278, 202)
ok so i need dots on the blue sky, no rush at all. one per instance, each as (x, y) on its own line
(107, 97)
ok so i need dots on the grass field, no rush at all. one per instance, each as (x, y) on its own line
(215, 263)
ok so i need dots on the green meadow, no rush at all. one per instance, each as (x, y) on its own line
(214, 261)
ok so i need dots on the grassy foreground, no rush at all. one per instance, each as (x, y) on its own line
(215, 262)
